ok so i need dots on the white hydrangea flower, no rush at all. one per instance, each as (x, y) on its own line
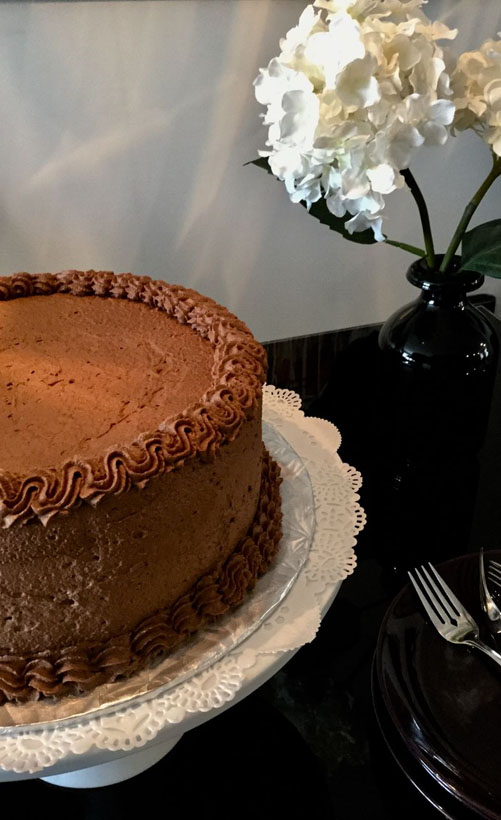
(476, 83)
(358, 87)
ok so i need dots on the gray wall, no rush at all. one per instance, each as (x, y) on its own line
(125, 129)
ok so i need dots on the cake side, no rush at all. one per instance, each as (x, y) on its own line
(78, 668)
(95, 573)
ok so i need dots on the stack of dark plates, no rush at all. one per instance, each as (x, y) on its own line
(438, 705)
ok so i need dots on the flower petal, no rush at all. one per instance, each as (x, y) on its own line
(356, 85)
(382, 178)
(361, 222)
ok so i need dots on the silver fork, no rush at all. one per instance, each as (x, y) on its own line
(489, 606)
(447, 614)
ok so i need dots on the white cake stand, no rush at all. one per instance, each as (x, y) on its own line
(100, 750)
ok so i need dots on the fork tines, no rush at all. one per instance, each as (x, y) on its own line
(437, 598)
(494, 573)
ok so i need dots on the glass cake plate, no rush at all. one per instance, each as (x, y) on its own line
(212, 643)
(113, 743)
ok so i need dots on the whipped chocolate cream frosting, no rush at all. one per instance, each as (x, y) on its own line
(138, 378)
(75, 669)
(143, 440)
(136, 499)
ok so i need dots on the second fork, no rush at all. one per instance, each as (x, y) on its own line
(447, 614)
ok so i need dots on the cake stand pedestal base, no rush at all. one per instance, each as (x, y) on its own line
(105, 774)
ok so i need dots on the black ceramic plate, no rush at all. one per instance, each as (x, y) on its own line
(446, 805)
(441, 703)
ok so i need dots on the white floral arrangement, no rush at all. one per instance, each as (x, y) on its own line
(358, 88)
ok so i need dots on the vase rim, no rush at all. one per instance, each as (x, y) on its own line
(422, 276)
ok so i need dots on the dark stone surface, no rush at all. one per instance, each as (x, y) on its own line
(306, 744)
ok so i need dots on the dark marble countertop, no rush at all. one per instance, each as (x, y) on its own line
(307, 743)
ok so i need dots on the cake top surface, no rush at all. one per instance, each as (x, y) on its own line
(101, 394)
(80, 375)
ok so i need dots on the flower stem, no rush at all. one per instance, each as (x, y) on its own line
(423, 213)
(469, 211)
(405, 247)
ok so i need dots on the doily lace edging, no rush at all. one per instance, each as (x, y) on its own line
(332, 558)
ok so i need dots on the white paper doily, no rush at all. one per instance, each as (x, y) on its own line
(339, 518)
(216, 639)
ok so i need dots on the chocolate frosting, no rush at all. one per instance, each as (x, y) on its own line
(78, 669)
(234, 366)
(88, 374)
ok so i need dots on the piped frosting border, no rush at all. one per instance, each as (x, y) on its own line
(238, 374)
(74, 670)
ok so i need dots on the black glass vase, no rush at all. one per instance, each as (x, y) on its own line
(438, 359)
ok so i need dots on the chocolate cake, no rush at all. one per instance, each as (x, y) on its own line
(136, 499)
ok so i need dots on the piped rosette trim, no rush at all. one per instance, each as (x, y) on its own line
(75, 670)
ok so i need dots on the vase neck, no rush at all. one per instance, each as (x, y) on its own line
(443, 289)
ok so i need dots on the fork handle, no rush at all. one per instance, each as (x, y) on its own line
(492, 654)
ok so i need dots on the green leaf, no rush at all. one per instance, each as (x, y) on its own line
(321, 212)
(481, 249)
(261, 162)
